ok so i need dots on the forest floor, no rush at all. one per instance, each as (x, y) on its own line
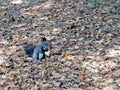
(85, 39)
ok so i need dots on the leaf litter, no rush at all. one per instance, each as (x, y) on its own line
(85, 49)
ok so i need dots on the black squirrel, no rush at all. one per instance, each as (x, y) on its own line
(37, 52)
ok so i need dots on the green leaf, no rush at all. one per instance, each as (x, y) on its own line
(95, 2)
(115, 5)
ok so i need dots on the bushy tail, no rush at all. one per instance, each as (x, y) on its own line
(29, 49)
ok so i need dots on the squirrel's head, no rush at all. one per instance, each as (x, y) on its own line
(43, 39)
(44, 44)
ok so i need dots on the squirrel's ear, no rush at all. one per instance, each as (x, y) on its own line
(43, 39)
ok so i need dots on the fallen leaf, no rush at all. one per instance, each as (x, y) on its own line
(68, 63)
(67, 45)
(6, 65)
(16, 65)
(1, 52)
(34, 72)
(65, 55)
(39, 66)
(1, 45)
(56, 75)
(99, 58)
(16, 2)
(119, 84)
(1, 60)
(47, 53)
(85, 54)
(0, 39)
(11, 49)
(24, 37)
(56, 31)
(16, 37)
(84, 87)
(87, 73)
(105, 18)
(55, 65)
(45, 5)
(80, 77)
(112, 53)
(108, 88)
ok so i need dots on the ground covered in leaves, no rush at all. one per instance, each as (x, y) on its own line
(85, 39)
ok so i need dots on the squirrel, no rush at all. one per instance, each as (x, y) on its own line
(37, 52)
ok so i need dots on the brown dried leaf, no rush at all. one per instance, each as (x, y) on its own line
(24, 37)
(105, 18)
(65, 55)
(112, 53)
(55, 65)
(77, 58)
(56, 31)
(108, 88)
(87, 73)
(56, 75)
(80, 77)
(18, 25)
(0, 39)
(99, 58)
(1, 60)
(34, 72)
(16, 37)
(1, 52)
(85, 54)
(44, 5)
(47, 53)
(39, 66)
(16, 2)
(11, 50)
(16, 65)
(84, 87)
(6, 65)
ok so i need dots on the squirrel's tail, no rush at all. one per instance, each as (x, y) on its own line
(29, 49)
